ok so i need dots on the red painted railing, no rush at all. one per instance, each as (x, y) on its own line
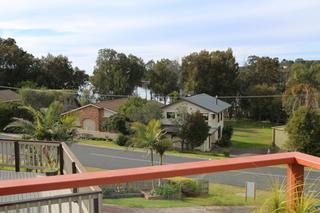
(296, 162)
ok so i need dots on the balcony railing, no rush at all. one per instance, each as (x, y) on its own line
(295, 174)
(32, 156)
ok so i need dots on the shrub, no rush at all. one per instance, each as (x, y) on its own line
(304, 131)
(225, 139)
(122, 140)
(167, 190)
(189, 187)
(9, 111)
(117, 123)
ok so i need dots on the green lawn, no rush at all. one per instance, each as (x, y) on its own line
(219, 195)
(246, 135)
(251, 134)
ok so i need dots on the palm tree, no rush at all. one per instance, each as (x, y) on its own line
(301, 94)
(162, 146)
(147, 136)
(47, 124)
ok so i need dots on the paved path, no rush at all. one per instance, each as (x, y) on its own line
(115, 159)
(197, 209)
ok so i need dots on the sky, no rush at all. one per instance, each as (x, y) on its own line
(155, 29)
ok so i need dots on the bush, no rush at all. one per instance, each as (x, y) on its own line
(117, 123)
(189, 187)
(122, 140)
(225, 139)
(167, 190)
(9, 111)
(304, 131)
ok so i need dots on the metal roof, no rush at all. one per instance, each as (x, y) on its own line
(208, 102)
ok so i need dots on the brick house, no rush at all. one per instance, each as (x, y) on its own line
(92, 116)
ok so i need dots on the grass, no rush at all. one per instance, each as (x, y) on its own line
(93, 169)
(250, 134)
(219, 195)
(247, 134)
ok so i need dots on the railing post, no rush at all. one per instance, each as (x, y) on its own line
(17, 156)
(74, 171)
(60, 152)
(97, 204)
(295, 183)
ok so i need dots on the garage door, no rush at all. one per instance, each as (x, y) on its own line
(89, 124)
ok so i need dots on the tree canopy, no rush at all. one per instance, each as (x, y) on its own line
(213, 73)
(16, 65)
(140, 110)
(164, 78)
(116, 73)
(53, 72)
(303, 87)
(196, 130)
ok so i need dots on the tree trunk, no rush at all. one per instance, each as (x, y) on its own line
(182, 145)
(161, 159)
(151, 156)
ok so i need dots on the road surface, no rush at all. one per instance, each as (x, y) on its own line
(107, 158)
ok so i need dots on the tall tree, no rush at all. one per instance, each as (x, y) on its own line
(56, 72)
(210, 72)
(16, 65)
(260, 77)
(261, 70)
(164, 78)
(303, 87)
(116, 73)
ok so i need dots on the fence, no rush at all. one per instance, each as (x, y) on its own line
(279, 136)
(38, 156)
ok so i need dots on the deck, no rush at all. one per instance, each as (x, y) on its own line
(10, 175)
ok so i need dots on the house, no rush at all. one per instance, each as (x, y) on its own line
(7, 95)
(212, 109)
(92, 116)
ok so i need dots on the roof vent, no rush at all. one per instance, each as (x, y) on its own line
(216, 100)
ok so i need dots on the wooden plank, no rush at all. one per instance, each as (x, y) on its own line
(142, 173)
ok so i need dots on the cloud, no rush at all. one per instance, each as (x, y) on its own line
(166, 28)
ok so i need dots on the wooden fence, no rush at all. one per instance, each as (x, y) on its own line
(37, 156)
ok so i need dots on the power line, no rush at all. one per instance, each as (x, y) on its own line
(126, 96)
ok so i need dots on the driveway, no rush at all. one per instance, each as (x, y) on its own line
(197, 209)
(107, 158)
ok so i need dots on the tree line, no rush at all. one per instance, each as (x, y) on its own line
(276, 87)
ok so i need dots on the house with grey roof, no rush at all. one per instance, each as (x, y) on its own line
(212, 109)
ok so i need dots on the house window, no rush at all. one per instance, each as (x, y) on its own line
(205, 116)
(171, 115)
(213, 116)
(218, 117)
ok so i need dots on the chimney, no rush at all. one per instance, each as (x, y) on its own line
(216, 100)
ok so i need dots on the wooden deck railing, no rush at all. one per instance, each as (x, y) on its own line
(31, 155)
(296, 162)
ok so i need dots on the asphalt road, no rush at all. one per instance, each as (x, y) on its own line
(116, 159)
